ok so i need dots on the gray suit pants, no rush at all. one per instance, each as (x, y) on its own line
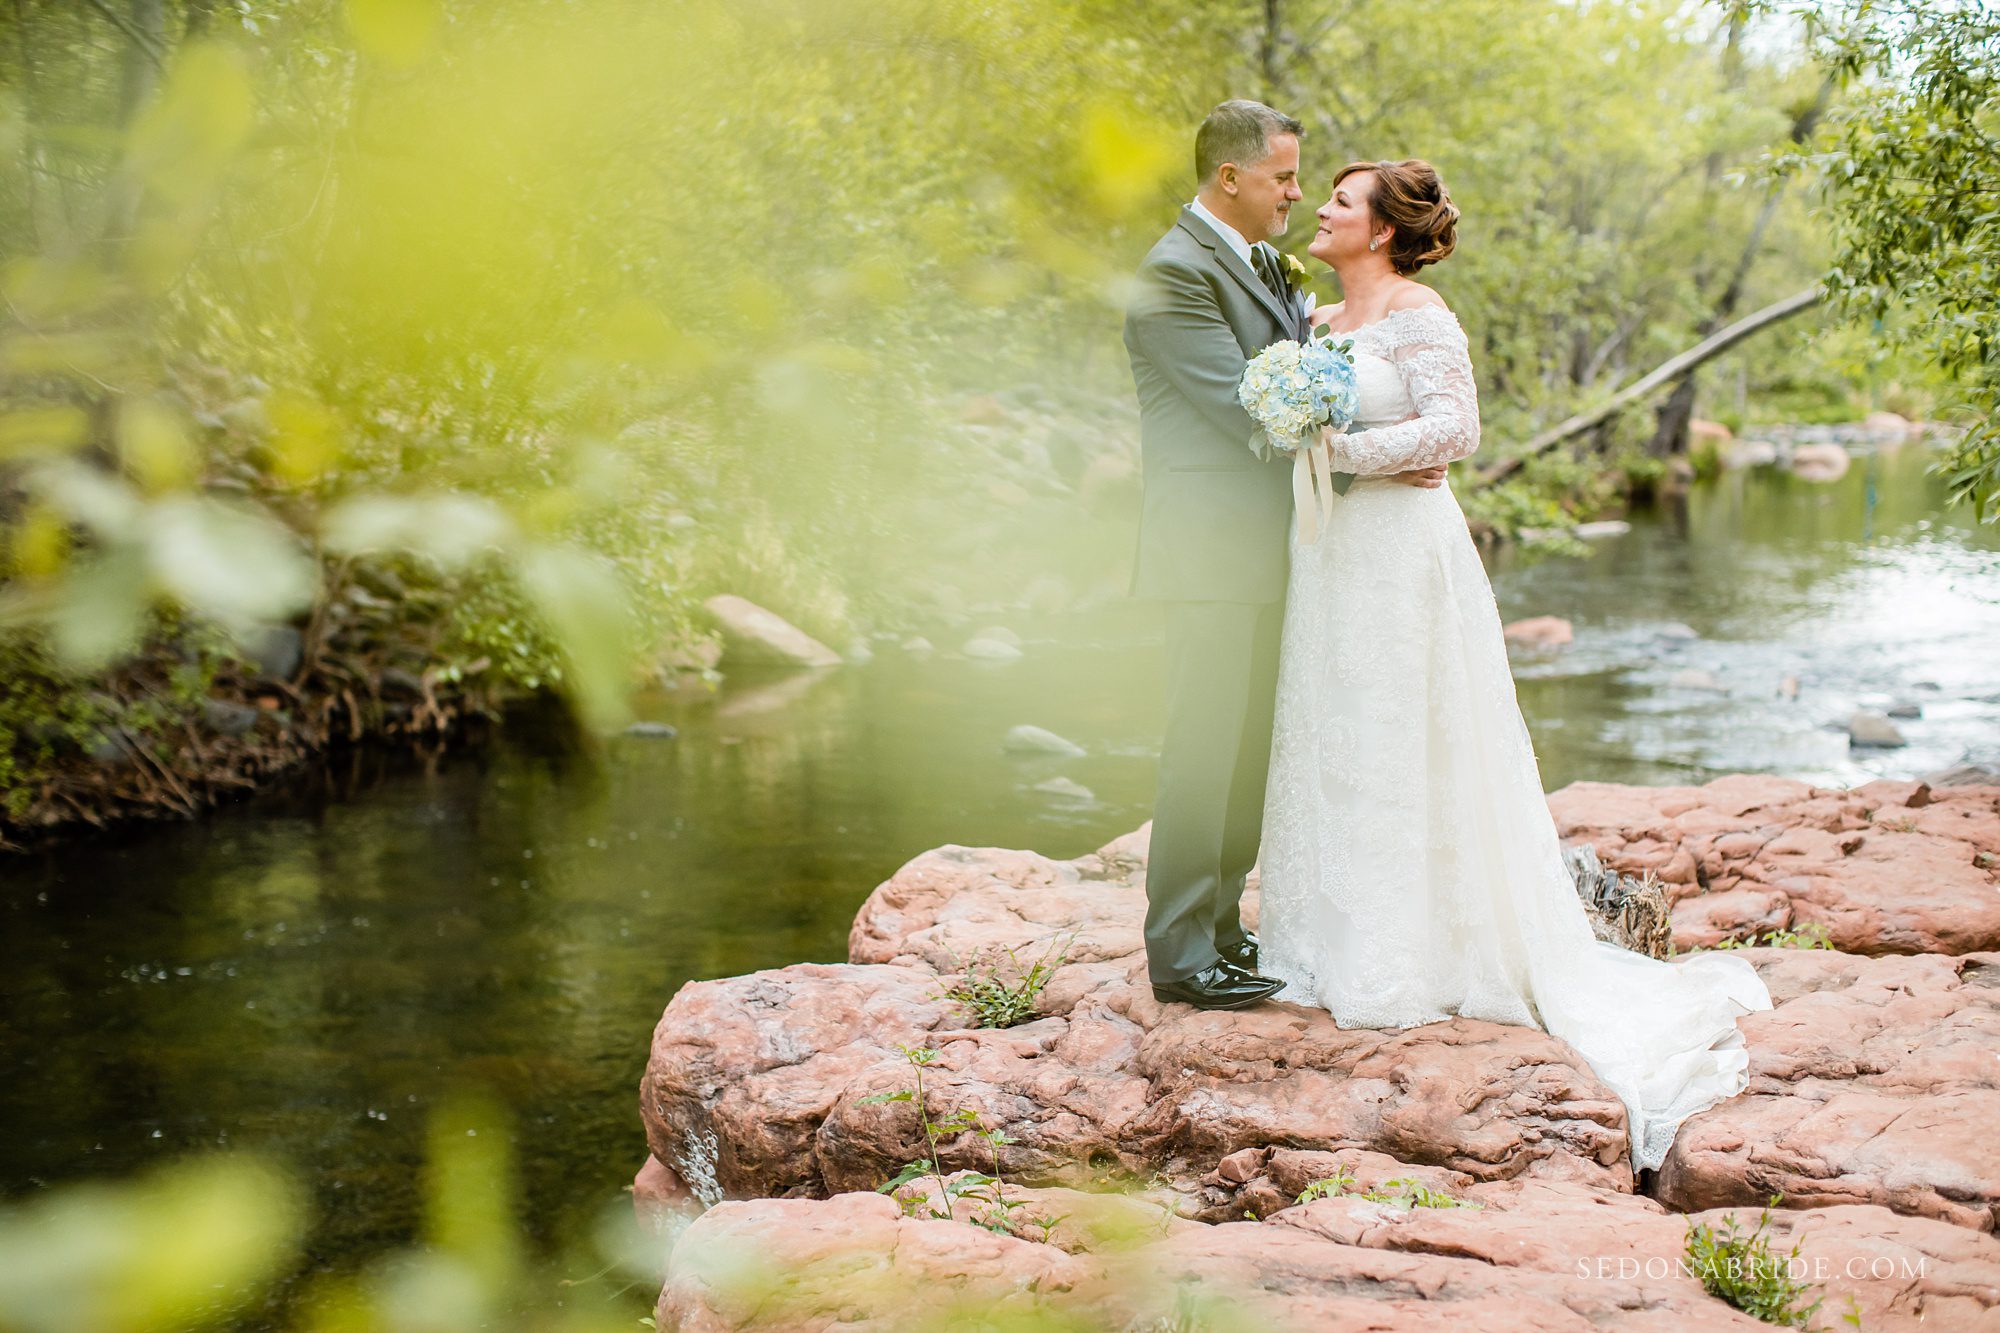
(1222, 676)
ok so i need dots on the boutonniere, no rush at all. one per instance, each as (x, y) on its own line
(1295, 272)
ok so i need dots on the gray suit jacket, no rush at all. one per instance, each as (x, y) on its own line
(1216, 514)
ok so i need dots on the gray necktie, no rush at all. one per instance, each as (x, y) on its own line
(1267, 269)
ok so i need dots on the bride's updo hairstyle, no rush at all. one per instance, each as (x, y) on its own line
(1410, 197)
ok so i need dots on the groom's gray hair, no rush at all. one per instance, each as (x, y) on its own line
(1238, 131)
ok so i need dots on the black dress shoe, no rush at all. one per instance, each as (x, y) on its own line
(1217, 986)
(1242, 956)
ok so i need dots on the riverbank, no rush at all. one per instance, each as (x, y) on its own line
(191, 723)
(1871, 1090)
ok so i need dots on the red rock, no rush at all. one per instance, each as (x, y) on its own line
(1532, 1255)
(757, 1084)
(1541, 632)
(1875, 1084)
(1892, 867)
(1872, 1080)
(754, 636)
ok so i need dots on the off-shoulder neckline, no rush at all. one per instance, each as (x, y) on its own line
(1406, 310)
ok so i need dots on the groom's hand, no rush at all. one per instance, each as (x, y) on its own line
(1430, 478)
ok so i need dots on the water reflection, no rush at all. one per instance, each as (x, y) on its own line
(311, 974)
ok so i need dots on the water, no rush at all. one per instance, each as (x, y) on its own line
(308, 974)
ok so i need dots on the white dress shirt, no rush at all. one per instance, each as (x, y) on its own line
(1224, 230)
(1234, 238)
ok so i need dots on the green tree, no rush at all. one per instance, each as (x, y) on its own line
(1912, 172)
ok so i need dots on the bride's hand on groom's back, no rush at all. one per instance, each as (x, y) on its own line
(1430, 478)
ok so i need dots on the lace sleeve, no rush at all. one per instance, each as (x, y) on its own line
(1428, 349)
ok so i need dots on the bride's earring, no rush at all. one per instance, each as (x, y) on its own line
(1373, 244)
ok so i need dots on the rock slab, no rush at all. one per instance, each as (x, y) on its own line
(1530, 1256)
(1890, 867)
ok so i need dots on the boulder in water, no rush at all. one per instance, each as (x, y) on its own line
(1820, 462)
(1026, 739)
(753, 636)
(1873, 731)
(1541, 632)
(1066, 788)
(991, 650)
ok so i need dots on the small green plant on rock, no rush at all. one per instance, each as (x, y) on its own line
(974, 1186)
(1340, 1182)
(1810, 936)
(1005, 996)
(1739, 1268)
(1402, 1192)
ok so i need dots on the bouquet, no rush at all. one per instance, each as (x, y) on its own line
(1295, 391)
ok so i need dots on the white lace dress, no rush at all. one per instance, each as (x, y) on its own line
(1410, 867)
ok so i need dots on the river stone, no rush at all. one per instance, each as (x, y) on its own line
(1026, 739)
(226, 717)
(1541, 632)
(1820, 462)
(753, 636)
(274, 650)
(1609, 527)
(1533, 1256)
(1966, 775)
(1890, 867)
(991, 650)
(999, 634)
(1872, 1080)
(918, 646)
(1874, 731)
(1696, 678)
(1068, 788)
(1906, 711)
(653, 730)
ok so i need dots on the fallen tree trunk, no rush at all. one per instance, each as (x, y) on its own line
(1667, 373)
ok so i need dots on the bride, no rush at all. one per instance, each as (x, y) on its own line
(1410, 866)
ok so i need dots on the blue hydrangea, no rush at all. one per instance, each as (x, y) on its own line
(1292, 389)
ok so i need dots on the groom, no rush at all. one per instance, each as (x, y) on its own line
(1214, 541)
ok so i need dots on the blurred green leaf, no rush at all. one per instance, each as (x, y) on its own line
(46, 428)
(469, 1196)
(154, 443)
(397, 32)
(580, 599)
(99, 609)
(454, 530)
(237, 566)
(174, 1249)
(183, 141)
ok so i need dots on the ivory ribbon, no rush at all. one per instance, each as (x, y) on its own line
(1312, 486)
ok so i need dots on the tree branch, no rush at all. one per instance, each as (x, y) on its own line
(1666, 373)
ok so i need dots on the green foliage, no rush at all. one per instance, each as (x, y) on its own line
(181, 1246)
(1003, 997)
(1911, 168)
(1401, 1192)
(1810, 936)
(976, 1187)
(1339, 1183)
(1739, 1267)
(50, 711)
(195, 1244)
(584, 313)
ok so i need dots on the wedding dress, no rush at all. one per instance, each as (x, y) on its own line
(1410, 868)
